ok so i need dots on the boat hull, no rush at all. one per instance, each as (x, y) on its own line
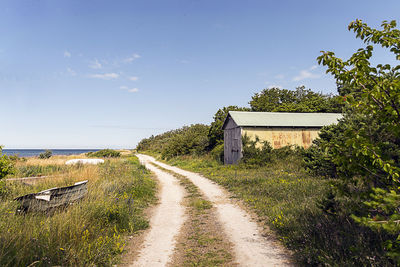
(53, 198)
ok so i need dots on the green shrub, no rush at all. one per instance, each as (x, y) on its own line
(189, 140)
(253, 155)
(46, 155)
(218, 153)
(286, 151)
(6, 165)
(367, 157)
(318, 160)
(104, 153)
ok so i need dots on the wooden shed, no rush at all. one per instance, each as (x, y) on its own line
(278, 128)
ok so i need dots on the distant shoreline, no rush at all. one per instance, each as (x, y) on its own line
(35, 152)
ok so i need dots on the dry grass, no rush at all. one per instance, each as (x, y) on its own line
(124, 152)
(90, 232)
(54, 160)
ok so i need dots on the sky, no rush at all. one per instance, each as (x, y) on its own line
(105, 74)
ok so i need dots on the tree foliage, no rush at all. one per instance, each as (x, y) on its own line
(6, 165)
(189, 140)
(184, 141)
(368, 151)
(256, 152)
(300, 100)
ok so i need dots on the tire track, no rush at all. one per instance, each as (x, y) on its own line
(169, 216)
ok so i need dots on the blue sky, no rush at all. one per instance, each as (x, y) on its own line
(96, 74)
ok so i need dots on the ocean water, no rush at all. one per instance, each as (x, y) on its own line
(36, 152)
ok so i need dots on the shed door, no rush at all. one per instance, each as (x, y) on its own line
(236, 145)
(232, 145)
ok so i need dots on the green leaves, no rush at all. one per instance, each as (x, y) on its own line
(300, 100)
(6, 165)
(367, 154)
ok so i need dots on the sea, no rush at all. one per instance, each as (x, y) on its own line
(36, 152)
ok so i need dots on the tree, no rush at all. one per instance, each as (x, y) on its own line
(216, 134)
(300, 100)
(367, 155)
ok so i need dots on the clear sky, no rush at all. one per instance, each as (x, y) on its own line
(97, 74)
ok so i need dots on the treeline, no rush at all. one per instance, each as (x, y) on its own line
(184, 141)
(199, 139)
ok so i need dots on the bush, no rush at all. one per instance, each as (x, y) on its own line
(254, 155)
(104, 153)
(6, 165)
(46, 155)
(218, 153)
(318, 160)
(189, 140)
(286, 151)
(367, 158)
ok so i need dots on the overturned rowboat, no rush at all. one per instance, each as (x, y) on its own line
(52, 198)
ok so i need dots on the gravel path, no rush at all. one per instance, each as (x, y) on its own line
(168, 218)
(250, 247)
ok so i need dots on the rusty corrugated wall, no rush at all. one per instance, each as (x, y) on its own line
(280, 137)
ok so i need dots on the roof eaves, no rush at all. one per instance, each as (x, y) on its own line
(226, 120)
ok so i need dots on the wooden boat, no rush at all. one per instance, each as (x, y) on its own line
(53, 197)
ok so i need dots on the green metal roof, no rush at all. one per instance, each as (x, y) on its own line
(283, 119)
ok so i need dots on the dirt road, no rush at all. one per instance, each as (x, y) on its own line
(165, 224)
(250, 247)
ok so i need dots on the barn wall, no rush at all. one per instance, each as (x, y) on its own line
(232, 143)
(280, 137)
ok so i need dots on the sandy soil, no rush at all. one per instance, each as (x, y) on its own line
(168, 217)
(251, 248)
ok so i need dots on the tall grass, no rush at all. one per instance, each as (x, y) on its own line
(29, 167)
(290, 201)
(89, 232)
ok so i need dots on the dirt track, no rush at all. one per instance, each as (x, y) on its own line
(250, 247)
(167, 219)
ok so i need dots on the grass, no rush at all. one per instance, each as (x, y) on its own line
(33, 166)
(201, 243)
(288, 200)
(88, 233)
